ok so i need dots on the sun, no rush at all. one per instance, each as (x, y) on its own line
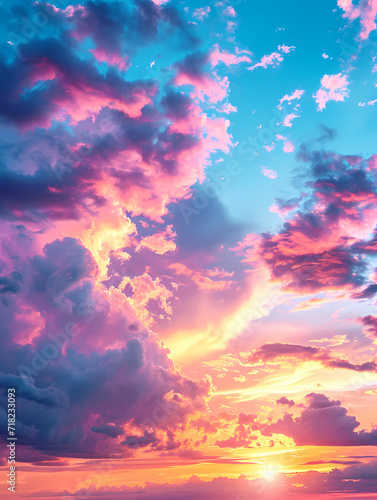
(269, 473)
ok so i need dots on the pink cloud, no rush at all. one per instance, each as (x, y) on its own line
(285, 401)
(160, 242)
(324, 422)
(366, 11)
(369, 103)
(203, 278)
(318, 251)
(286, 48)
(109, 58)
(283, 211)
(280, 137)
(168, 149)
(191, 72)
(221, 273)
(227, 108)
(76, 91)
(145, 289)
(287, 122)
(112, 343)
(333, 88)
(370, 326)
(372, 163)
(269, 60)
(229, 11)
(273, 59)
(297, 94)
(218, 55)
(288, 147)
(231, 26)
(202, 12)
(271, 174)
(277, 352)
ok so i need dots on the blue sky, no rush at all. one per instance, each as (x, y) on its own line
(257, 93)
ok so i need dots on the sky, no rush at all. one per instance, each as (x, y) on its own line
(188, 270)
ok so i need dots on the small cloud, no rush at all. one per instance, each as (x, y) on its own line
(227, 108)
(280, 137)
(334, 341)
(333, 88)
(285, 401)
(273, 59)
(286, 49)
(288, 147)
(287, 122)
(297, 94)
(271, 174)
(217, 55)
(369, 103)
(231, 26)
(229, 11)
(202, 13)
